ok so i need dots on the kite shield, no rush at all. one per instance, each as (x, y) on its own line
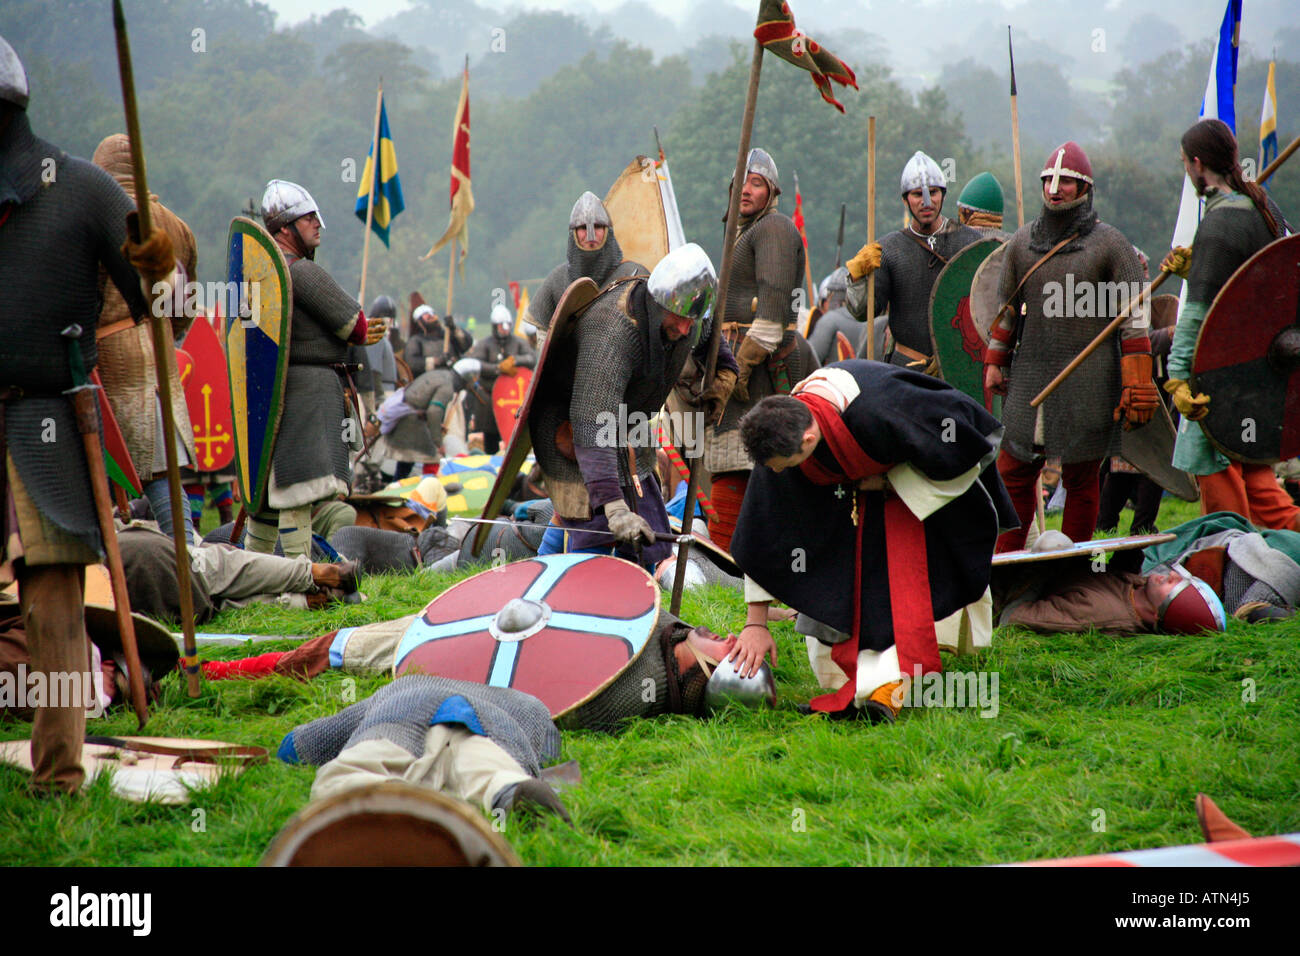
(643, 209)
(508, 396)
(259, 310)
(560, 627)
(1150, 449)
(207, 398)
(548, 377)
(957, 342)
(1247, 355)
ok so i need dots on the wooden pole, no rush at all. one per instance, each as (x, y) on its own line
(370, 200)
(161, 351)
(720, 309)
(451, 276)
(871, 235)
(1146, 293)
(839, 242)
(1015, 136)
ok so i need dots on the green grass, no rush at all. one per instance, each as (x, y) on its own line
(1099, 744)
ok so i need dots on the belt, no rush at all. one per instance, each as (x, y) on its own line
(104, 331)
(918, 358)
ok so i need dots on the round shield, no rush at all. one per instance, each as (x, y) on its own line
(559, 627)
(388, 824)
(984, 299)
(1247, 354)
(956, 340)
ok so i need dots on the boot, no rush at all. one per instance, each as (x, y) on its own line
(885, 702)
(531, 796)
(1215, 824)
(748, 355)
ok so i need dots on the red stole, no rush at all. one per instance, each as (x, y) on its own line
(909, 592)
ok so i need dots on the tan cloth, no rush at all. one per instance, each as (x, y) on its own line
(456, 762)
(126, 359)
(39, 541)
(1083, 601)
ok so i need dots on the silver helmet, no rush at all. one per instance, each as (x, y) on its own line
(383, 306)
(13, 78)
(501, 315)
(760, 161)
(589, 211)
(283, 202)
(837, 281)
(684, 282)
(468, 369)
(727, 686)
(922, 172)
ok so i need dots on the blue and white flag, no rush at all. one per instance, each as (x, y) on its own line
(1219, 103)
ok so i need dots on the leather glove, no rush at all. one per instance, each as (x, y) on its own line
(748, 355)
(628, 527)
(1138, 398)
(154, 258)
(714, 401)
(507, 365)
(1192, 408)
(1178, 261)
(865, 262)
(376, 329)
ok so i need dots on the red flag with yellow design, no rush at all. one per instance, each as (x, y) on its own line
(777, 33)
(462, 196)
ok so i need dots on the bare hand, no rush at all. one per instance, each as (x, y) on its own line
(995, 380)
(755, 643)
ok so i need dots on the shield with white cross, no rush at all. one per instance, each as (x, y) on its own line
(560, 627)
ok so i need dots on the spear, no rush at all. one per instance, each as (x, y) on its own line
(1015, 135)
(839, 241)
(871, 235)
(142, 227)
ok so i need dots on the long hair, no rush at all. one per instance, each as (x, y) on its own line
(1212, 142)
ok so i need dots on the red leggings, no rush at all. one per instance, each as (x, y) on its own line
(1082, 498)
(728, 493)
(1253, 492)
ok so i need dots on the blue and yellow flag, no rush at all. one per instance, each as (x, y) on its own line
(387, 192)
(1268, 121)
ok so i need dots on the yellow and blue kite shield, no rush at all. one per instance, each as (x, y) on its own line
(259, 297)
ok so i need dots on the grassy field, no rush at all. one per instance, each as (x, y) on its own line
(1098, 744)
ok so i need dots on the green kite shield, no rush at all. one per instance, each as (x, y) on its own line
(1247, 355)
(957, 341)
(259, 310)
(576, 297)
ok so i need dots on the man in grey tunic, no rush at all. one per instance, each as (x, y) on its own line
(1083, 273)
(906, 263)
(593, 251)
(771, 355)
(835, 317)
(410, 420)
(500, 353)
(318, 427)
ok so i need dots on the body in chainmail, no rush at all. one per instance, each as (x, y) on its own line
(403, 711)
(909, 264)
(1076, 420)
(607, 382)
(310, 461)
(418, 437)
(603, 266)
(126, 356)
(55, 235)
(491, 352)
(444, 349)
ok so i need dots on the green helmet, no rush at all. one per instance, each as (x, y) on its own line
(983, 194)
